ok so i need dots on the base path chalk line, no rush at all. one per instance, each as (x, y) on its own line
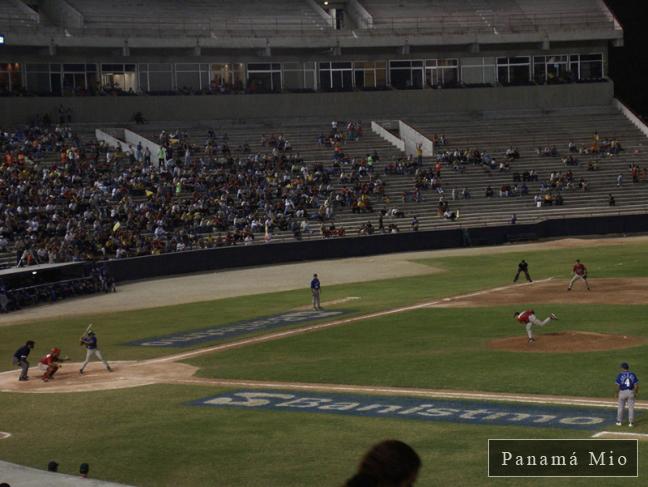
(620, 433)
(407, 391)
(330, 324)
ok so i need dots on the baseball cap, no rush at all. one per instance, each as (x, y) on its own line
(52, 466)
(625, 366)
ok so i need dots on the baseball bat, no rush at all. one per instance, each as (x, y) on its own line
(87, 330)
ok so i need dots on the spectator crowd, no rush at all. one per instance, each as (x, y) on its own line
(64, 199)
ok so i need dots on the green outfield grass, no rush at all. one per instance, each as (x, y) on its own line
(444, 348)
(136, 437)
(149, 436)
(460, 275)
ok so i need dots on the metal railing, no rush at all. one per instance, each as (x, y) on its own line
(10, 22)
(131, 26)
(239, 26)
(492, 23)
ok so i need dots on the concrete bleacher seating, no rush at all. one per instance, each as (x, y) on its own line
(491, 16)
(13, 14)
(526, 131)
(200, 15)
(493, 133)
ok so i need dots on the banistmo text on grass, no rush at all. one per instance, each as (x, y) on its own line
(454, 411)
(231, 330)
(562, 458)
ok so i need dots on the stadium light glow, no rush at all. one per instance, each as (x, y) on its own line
(2, 39)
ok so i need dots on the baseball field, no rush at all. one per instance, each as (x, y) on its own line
(230, 379)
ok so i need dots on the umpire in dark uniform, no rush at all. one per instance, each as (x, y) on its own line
(523, 267)
(20, 359)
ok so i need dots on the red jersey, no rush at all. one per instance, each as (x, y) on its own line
(48, 359)
(525, 315)
(579, 269)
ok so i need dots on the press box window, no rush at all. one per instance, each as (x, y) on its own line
(119, 77)
(336, 76)
(264, 77)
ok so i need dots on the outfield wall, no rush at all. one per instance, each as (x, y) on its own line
(258, 255)
(389, 104)
(137, 268)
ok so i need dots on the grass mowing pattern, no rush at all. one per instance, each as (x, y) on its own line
(131, 436)
(148, 436)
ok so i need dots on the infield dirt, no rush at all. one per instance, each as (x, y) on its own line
(567, 341)
(243, 282)
(604, 291)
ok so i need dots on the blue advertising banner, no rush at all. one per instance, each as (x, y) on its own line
(224, 332)
(393, 407)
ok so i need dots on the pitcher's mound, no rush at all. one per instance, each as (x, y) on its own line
(567, 341)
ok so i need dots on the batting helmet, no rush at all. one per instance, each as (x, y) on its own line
(91, 333)
(55, 351)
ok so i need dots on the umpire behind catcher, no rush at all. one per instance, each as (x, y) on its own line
(20, 359)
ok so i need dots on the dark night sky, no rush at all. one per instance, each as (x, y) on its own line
(629, 64)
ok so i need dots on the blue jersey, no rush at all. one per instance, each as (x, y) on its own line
(90, 342)
(22, 352)
(627, 381)
(315, 284)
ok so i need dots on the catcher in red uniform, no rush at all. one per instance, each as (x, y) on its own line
(580, 272)
(50, 363)
(528, 318)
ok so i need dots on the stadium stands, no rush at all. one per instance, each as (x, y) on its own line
(495, 135)
(200, 16)
(14, 13)
(523, 131)
(216, 202)
(488, 16)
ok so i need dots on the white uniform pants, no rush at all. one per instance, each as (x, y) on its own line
(535, 321)
(89, 353)
(626, 396)
(576, 278)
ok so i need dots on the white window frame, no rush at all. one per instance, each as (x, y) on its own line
(411, 69)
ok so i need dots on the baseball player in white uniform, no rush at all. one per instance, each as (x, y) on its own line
(529, 319)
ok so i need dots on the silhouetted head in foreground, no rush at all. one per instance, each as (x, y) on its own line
(390, 463)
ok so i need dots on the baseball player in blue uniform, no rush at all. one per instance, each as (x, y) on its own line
(627, 389)
(20, 359)
(315, 291)
(90, 342)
